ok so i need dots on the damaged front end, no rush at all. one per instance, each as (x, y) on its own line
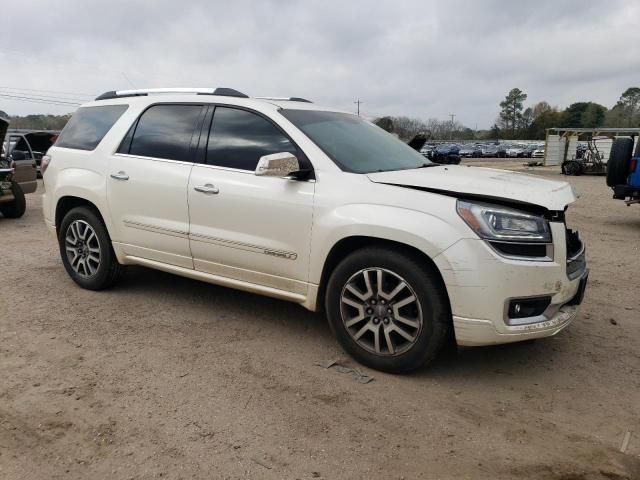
(6, 176)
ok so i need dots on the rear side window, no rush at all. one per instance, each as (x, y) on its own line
(88, 126)
(165, 131)
(239, 138)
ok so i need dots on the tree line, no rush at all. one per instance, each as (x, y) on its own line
(519, 123)
(37, 122)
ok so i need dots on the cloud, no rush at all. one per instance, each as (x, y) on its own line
(418, 58)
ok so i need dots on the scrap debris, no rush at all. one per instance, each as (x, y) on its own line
(625, 441)
(356, 374)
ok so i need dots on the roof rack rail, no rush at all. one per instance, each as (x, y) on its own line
(287, 99)
(222, 91)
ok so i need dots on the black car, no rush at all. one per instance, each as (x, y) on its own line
(447, 154)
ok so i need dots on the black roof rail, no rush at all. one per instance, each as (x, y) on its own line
(286, 99)
(222, 91)
(113, 94)
(227, 92)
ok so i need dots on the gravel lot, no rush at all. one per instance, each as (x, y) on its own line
(167, 377)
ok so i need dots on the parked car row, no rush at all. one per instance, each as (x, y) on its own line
(445, 153)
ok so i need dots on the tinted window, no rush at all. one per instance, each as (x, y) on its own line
(88, 126)
(239, 138)
(164, 131)
(353, 144)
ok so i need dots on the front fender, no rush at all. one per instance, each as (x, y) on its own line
(425, 232)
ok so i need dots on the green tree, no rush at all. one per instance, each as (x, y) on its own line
(511, 113)
(626, 112)
(593, 115)
(525, 122)
(583, 114)
(494, 133)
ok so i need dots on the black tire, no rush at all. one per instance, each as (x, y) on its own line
(431, 298)
(108, 270)
(618, 164)
(16, 208)
(572, 168)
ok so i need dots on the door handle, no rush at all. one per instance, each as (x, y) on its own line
(207, 188)
(120, 175)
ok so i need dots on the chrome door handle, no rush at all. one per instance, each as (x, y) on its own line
(207, 188)
(120, 175)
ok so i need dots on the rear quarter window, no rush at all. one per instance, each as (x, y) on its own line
(88, 126)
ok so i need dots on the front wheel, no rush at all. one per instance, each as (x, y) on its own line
(17, 207)
(388, 309)
(86, 251)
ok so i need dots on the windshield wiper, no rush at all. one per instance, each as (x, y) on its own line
(427, 165)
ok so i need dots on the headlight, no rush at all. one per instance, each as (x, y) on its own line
(493, 222)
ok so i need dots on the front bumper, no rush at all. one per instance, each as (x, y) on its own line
(481, 283)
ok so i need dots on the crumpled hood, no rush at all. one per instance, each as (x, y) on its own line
(486, 182)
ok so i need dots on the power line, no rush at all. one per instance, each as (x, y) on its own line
(38, 100)
(44, 97)
(82, 96)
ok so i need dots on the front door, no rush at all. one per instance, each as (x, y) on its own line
(147, 184)
(246, 227)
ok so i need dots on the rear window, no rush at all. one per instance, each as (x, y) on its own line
(88, 126)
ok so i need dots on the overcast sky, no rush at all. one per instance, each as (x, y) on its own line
(416, 58)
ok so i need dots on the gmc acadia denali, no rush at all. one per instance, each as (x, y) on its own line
(284, 198)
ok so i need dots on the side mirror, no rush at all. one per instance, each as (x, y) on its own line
(282, 164)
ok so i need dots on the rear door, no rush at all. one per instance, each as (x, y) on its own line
(147, 186)
(246, 227)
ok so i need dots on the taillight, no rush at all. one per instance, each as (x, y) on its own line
(44, 163)
(633, 164)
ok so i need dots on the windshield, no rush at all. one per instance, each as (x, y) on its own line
(353, 144)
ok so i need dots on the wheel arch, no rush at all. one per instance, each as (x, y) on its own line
(68, 202)
(347, 245)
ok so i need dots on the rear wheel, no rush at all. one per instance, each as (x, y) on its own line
(619, 159)
(387, 309)
(17, 207)
(86, 251)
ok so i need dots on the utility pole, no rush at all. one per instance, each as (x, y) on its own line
(358, 102)
(452, 115)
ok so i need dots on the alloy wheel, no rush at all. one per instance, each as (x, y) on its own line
(82, 248)
(381, 311)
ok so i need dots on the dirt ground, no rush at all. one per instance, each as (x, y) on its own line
(164, 377)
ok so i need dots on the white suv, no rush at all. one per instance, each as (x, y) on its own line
(284, 198)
